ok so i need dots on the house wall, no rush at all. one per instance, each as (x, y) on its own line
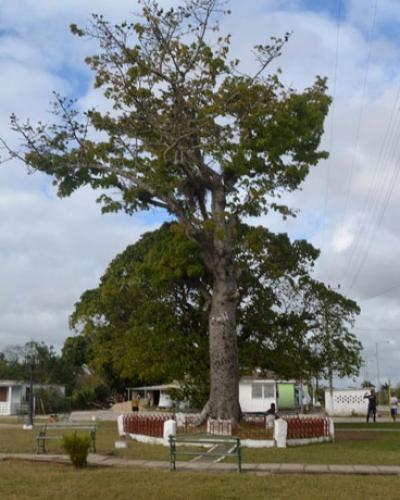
(248, 403)
(16, 402)
(16, 394)
(12, 400)
(286, 396)
(165, 400)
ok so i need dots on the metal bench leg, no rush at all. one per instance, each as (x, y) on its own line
(172, 454)
(40, 445)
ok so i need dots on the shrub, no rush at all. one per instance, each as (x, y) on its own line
(77, 447)
(51, 400)
(82, 399)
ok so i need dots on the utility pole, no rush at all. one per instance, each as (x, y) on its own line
(328, 353)
(328, 345)
(30, 402)
(378, 375)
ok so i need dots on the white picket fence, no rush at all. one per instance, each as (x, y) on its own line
(8, 408)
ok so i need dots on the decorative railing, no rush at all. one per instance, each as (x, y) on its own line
(147, 425)
(307, 427)
(219, 427)
(251, 428)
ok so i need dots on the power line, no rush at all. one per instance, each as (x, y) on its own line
(395, 287)
(362, 106)
(381, 214)
(376, 329)
(334, 78)
(381, 158)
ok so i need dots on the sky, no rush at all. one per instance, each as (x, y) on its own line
(52, 250)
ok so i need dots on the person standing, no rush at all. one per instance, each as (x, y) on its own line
(371, 404)
(270, 416)
(394, 403)
(135, 402)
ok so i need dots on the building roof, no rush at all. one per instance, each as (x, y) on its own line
(258, 378)
(162, 387)
(14, 383)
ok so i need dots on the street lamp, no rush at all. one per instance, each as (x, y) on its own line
(30, 360)
(378, 378)
(366, 365)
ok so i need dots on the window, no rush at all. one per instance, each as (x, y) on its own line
(269, 392)
(262, 391)
(256, 391)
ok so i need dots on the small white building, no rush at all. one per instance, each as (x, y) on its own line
(154, 395)
(346, 402)
(256, 394)
(14, 395)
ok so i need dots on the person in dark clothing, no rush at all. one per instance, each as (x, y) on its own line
(271, 410)
(371, 405)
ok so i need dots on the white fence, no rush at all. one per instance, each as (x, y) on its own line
(346, 402)
(7, 408)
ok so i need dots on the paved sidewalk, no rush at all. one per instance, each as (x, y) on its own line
(96, 459)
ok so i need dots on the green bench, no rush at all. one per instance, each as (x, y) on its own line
(56, 431)
(230, 445)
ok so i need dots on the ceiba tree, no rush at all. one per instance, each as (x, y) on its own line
(191, 134)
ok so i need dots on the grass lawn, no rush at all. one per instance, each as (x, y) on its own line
(366, 448)
(20, 441)
(371, 426)
(20, 481)
(375, 448)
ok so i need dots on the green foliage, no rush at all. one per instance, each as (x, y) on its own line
(51, 400)
(147, 320)
(186, 122)
(48, 366)
(367, 384)
(82, 391)
(76, 352)
(309, 336)
(83, 399)
(77, 447)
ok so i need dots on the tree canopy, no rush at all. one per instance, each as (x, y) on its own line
(148, 319)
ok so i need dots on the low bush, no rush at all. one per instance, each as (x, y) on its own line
(77, 447)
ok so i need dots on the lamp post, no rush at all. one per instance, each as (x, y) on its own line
(378, 377)
(30, 361)
(366, 364)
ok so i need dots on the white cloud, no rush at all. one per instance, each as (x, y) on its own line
(342, 239)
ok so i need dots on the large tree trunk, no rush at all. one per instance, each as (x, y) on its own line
(224, 363)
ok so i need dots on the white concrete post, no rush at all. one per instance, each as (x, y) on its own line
(10, 408)
(280, 432)
(332, 429)
(180, 419)
(169, 429)
(120, 423)
(270, 421)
